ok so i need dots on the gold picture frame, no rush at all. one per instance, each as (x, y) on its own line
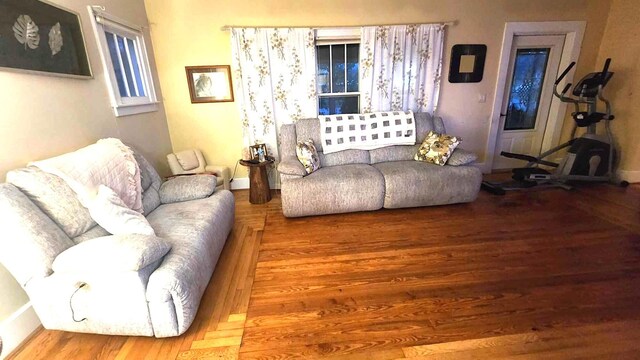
(209, 84)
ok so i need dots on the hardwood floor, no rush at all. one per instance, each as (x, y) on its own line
(541, 274)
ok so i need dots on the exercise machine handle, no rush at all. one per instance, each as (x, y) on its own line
(566, 88)
(603, 74)
(565, 72)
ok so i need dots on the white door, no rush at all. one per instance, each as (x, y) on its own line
(533, 68)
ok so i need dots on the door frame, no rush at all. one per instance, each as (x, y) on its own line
(574, 33)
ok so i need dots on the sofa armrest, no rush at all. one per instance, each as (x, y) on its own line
(185, 188)
(118, 253)
(461, 157)
(291, 166)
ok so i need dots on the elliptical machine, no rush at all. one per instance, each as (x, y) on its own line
(590, 157)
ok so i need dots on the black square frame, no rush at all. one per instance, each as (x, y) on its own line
(457, 51)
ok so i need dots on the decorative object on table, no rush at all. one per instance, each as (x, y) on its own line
(259, 152)
(192, 162)
(38, 36)
(259, 190)
(308, 156)
(208, 84)
(467, 63)
(437, 148)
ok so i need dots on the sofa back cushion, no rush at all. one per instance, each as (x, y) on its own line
(150, 181)
(344, 157)
(31, 240)
(54, 197)
(424, 123)
(309, 129)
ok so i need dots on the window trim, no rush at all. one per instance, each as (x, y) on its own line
(123, 106)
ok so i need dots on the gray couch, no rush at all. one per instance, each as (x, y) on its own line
(135, 284)
(360, 180)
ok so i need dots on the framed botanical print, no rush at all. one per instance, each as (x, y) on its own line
(38, 36)
(209, 84)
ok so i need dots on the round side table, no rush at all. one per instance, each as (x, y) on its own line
(259, 191)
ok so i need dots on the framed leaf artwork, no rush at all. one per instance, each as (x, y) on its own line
(41, 37)
(210, 83)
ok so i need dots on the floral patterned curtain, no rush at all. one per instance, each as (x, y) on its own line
(400, 67)
(275, 72)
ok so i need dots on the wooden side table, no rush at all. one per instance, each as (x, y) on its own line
(259, 191)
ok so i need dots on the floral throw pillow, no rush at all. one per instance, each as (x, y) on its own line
(308, 155)
(437, 148)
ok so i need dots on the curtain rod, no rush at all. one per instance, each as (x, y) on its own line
(228, 27)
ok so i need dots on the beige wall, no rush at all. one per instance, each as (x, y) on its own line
(42, 116)
(188, 33)
(621, 42)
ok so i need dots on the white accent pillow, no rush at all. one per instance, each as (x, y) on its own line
(110, 212)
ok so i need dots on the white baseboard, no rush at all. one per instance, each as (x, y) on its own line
(630, 176)
(17, 328)
(240, 183)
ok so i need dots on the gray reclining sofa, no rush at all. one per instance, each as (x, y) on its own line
(361, 180)
(133, 284)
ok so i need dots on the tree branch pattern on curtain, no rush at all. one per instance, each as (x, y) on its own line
(401, 67)
(275, 72)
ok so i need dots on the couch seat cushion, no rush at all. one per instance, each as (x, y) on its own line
(415, 183)
(334, 189)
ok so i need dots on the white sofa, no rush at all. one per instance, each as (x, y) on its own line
(133, 284)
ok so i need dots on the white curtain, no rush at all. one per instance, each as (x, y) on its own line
(400, 67)
(274, 80)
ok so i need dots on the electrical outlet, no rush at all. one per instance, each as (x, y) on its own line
(482, 98)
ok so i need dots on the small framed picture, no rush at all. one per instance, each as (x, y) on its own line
(209, 84)
(259, 152)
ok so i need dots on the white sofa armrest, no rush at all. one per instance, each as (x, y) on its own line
(130, 252)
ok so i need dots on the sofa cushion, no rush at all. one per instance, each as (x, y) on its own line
(461, 157)
(437, 148)
(415, 183)
(334, 189)
(112, 253)
(54, 197)
(345, 157)
(309, 129)
(393, 153)
(150, 181)
(186, 188)
(308, 155)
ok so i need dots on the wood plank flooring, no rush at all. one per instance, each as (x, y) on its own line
(539, 274)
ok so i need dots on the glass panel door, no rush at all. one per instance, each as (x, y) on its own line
(526, 86)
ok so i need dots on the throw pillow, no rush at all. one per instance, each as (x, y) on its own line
(308, 155)
(110, 212)
(437, 148)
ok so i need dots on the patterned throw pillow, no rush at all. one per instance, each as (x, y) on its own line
(437, 148)
(308, 155)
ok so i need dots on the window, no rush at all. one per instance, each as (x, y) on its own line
(338, 57)
(126, 64)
